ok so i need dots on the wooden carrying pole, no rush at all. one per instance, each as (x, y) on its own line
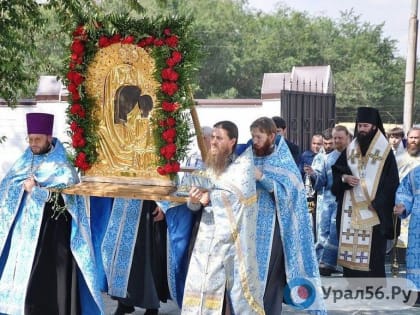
(198, 132)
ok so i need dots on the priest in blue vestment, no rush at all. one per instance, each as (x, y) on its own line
(407, 204)
(284, 239)
(47, 265)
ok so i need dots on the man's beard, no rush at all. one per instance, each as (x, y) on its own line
(265, 150)
(413, 149)
(218, 162)
(45, 149)
(364, 140)
(329, 150)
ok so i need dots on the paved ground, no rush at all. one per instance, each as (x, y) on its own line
(170, 308)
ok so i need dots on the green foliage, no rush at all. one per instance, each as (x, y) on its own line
(19, 21)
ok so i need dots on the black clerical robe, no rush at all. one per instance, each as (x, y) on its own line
(383, 203)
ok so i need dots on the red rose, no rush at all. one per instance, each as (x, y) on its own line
(128, 40)
(142, 43)
(79, 31)
(80, 143)
(167, 31)
(81, 156)
(169, 88)
(168, 151)
(170, 62)
(169, 135)
(176, 56)
(169, 107)
(170, 122)
(176, 167)
(72, 88)
(74, 126)
(149, 40)
(79, 130)
(161, 171)
(171, 148)
(158, 42)
(163, 151)
(78, 47)
(76, 59)
(81, 162)
(77, 109)
(75, 77)
(103, 41)
(75, 96)
(78, 140)
(168, 168)
(115, 39)
(169, 74)
(172, 41)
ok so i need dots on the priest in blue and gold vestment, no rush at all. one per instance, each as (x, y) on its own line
(222, 276)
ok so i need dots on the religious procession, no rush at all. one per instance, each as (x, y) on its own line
(143, 209)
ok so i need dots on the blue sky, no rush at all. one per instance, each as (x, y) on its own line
(394, 13)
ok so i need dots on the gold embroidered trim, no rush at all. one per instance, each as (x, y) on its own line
(191, 300)
(240, 256)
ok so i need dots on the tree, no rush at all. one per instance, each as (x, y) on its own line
(19, 21)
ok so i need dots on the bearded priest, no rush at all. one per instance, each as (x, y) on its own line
(365, 179)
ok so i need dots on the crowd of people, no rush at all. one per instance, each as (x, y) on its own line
(242, 241)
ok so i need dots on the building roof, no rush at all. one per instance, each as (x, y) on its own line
(273, 83)
(316, 79)
(50, 88)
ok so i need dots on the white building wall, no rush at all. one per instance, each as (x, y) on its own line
(13, 126)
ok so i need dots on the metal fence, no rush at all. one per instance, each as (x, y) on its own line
(306, 113)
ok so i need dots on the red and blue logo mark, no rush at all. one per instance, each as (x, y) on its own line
(300, 293)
